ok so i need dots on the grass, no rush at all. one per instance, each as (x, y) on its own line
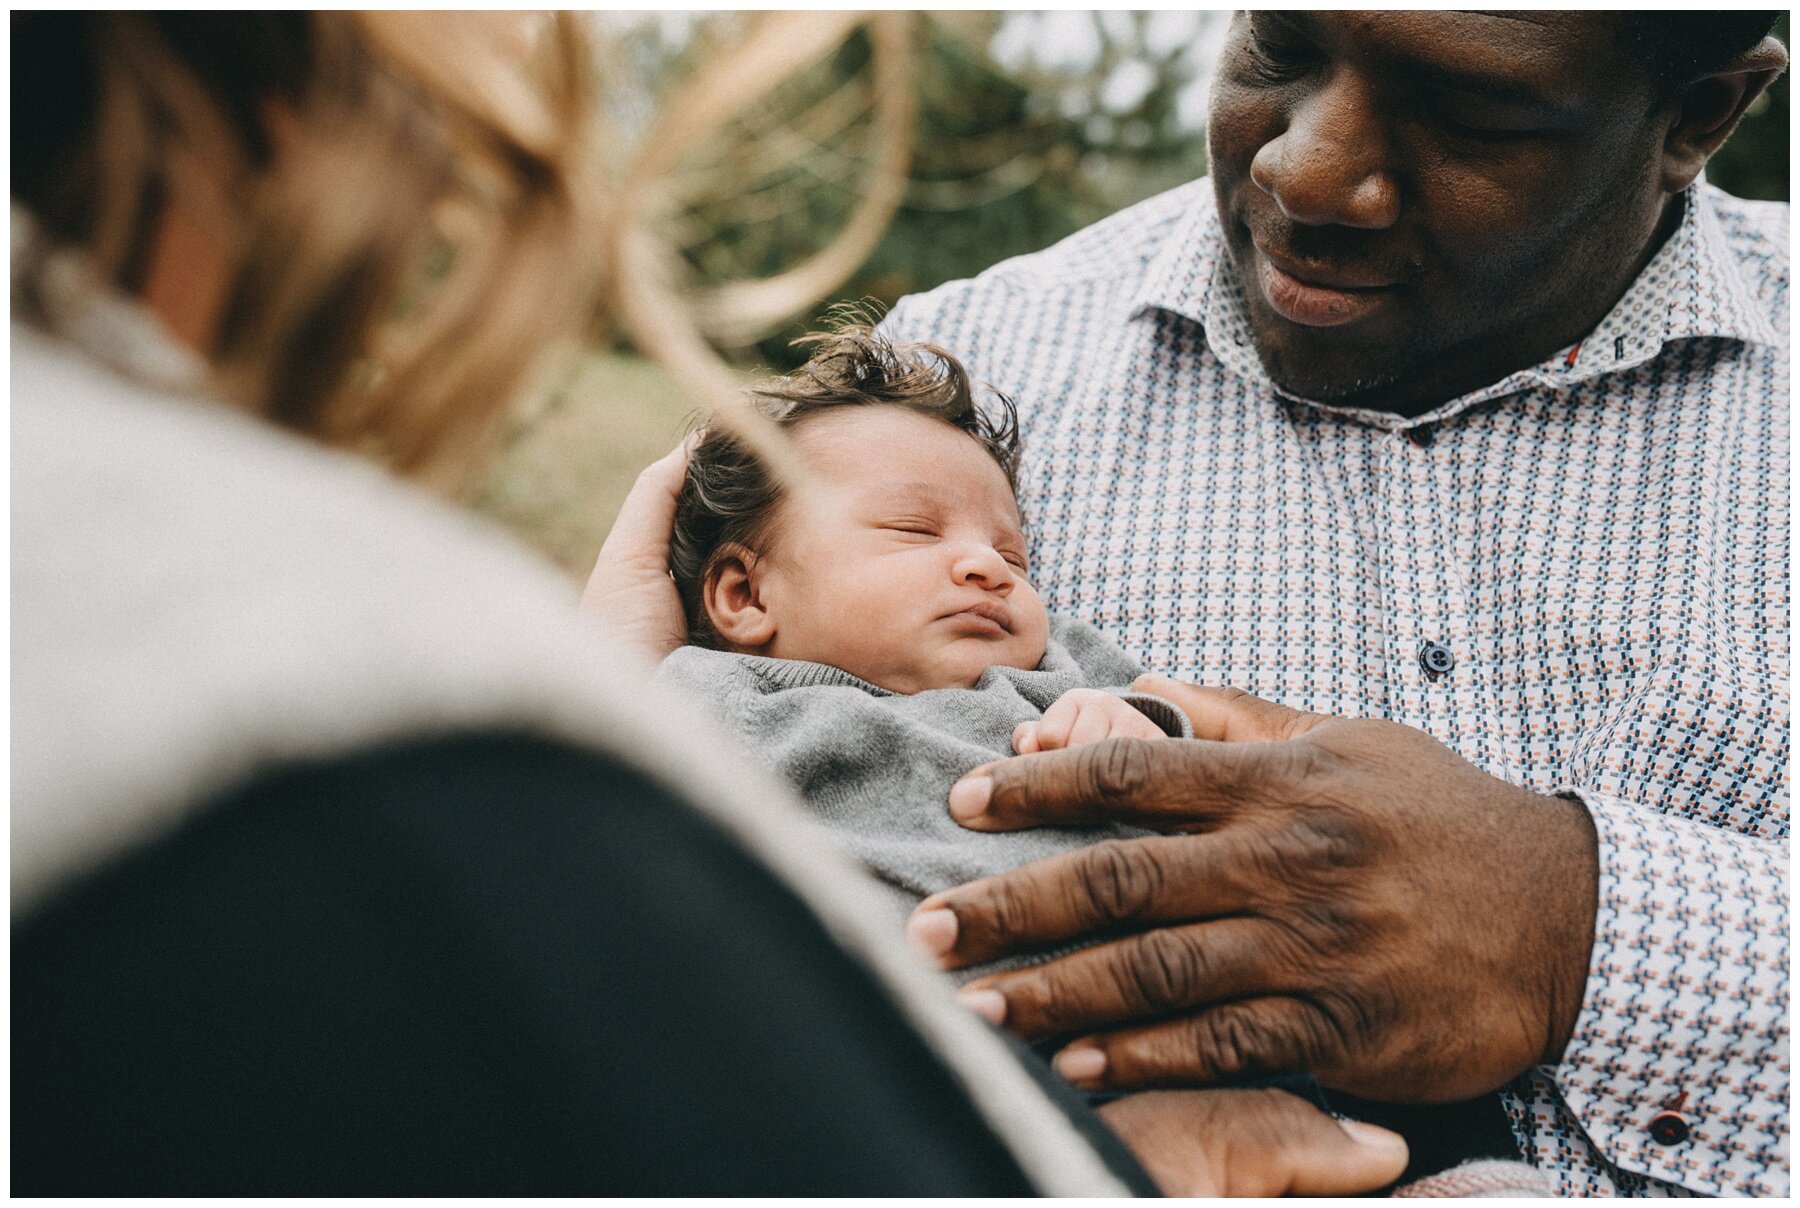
(567, 466)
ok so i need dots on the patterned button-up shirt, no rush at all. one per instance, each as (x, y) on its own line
(1598, 542)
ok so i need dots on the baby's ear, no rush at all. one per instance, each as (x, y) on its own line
(734, 604)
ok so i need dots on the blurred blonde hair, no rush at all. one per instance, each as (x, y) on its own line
(406, 205)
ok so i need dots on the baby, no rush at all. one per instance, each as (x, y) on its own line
(875, 635)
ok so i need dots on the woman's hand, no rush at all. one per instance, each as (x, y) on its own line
(1251, 1143)
(630, 590)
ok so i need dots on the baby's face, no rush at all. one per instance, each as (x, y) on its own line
(903, 563)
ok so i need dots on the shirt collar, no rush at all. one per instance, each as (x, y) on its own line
(1692, 288)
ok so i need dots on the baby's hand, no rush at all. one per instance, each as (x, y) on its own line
(1082, 716)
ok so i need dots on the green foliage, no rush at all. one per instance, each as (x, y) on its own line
(1001, 170)
(1001, 167)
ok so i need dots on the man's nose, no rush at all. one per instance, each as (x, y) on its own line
(1331, 166)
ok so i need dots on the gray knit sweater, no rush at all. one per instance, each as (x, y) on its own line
(877, 766)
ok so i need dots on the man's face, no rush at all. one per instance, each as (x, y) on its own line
(1419, 203)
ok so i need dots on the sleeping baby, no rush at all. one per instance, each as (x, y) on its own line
(875, 634)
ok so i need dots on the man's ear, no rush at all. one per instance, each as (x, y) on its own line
(1706, 111)
(734, 603)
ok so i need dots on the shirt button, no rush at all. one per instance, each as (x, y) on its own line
(1436, 659)
(1420, 437)
(1669, 1128)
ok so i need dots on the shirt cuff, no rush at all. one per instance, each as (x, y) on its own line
(1167, 715)
(1687, 994)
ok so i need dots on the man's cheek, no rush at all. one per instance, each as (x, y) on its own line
(1241, 122)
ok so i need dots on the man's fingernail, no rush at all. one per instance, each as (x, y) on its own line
(1373, 1136)
(969, 797)
(932, 932)
(989, 1004)
(1081, 1064)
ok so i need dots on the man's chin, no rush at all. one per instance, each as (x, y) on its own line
(1329, 376)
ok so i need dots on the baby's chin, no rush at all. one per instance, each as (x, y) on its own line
(958, 670)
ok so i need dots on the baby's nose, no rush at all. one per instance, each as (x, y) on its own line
(983, 564)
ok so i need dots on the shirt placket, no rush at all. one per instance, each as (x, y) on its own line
(1433, 665)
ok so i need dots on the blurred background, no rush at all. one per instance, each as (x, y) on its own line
(774, 163)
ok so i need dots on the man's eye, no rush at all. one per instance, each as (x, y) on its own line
(1278, 59)
(1474, 133)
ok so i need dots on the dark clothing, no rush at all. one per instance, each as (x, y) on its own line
(477, 966)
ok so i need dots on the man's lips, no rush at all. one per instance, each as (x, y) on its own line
(984, 616)
(1317, 296)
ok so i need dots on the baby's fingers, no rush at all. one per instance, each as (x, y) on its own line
(1094, 723)
(1025, 738)
(1053, 729)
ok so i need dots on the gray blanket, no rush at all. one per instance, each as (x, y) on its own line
(877, 766)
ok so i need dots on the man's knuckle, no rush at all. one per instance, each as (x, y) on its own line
(1325, 1032)
(1302, 769)
(1331, 841)
(1346, 1021)
(1040, 1002)
(1122, 880)
(1329, 925)
(1164, 971)
(1009, 916)
(1117, 772)
(1229, 1042)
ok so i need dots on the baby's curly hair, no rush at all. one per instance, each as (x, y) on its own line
(729, 496)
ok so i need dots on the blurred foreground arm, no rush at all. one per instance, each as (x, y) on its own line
(480, 965)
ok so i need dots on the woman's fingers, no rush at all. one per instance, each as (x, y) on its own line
(1252, 1143)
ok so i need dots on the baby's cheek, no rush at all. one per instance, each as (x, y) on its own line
(1034, 637)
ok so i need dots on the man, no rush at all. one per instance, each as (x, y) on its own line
(1456, 402)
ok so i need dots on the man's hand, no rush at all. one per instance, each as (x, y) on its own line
(1079, 717)
(1251, 1143)
(630, 590)
(1345, 897)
